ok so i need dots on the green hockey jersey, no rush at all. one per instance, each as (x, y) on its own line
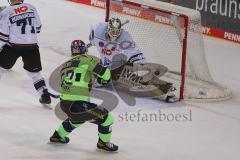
(77, 74)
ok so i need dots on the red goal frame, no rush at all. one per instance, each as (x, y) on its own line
(184, 46)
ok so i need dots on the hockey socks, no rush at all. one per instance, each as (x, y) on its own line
(38, 81)
(40, 86)
(105, 129)
(105, 134)
(67, 127)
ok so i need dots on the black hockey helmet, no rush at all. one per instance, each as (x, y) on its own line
(78, 47)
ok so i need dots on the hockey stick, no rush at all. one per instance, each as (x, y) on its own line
(89, 45)
(54, 95)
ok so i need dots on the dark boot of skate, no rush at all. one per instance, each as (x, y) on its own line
(107, 146)
(45, 98)
(55, 138)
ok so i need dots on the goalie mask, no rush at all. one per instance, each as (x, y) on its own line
(114, 28)
(12, 2)
(78, 47)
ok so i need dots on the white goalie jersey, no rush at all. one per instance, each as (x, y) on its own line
(124, 44)
(19, 25)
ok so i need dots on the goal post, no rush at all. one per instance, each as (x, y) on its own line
(171, 35)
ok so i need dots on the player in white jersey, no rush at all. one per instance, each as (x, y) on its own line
(112, 40)
(19, 25)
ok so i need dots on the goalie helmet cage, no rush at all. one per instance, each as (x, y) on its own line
(171, 35)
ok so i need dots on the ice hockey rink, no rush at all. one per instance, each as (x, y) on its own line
(211, 131)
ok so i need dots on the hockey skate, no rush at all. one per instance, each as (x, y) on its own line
(55, 138)
(107, 146)
(45, 98)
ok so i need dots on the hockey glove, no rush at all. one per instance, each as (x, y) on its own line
(102, 82)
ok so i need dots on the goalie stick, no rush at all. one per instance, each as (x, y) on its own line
(126, 22)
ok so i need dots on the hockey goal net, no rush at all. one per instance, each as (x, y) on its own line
(171, 35)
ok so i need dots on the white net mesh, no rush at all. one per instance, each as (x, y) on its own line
(159, 35)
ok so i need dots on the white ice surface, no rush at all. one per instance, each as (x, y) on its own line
(25, 126)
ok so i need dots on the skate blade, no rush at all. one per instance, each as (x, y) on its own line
(56, 144)
(105, 151)
(47, 106)
(173, 100)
